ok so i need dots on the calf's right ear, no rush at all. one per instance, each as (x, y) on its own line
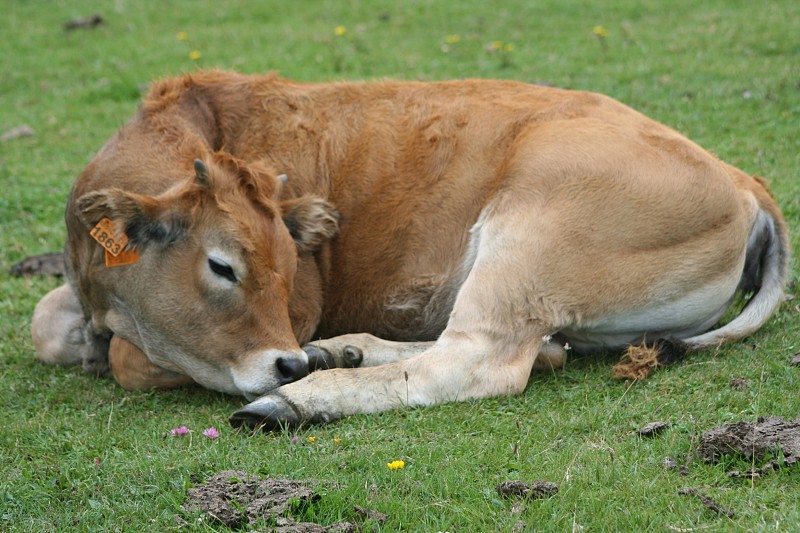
(311, 221)
(143, 219)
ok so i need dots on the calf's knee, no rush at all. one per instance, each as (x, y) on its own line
(58, 327)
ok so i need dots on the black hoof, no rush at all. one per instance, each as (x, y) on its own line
(318, 358)
(353, 356)
(268, 413)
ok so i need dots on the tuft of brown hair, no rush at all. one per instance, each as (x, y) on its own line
(637, 362)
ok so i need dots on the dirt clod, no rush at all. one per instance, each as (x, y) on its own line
(238, 499)
(22, 130)
(739, 383)
(370, 514)
(768, 437)
(796, 359)
(533, 491)
(707, 501)
(652, 429)
(40, 265)
(84, 22)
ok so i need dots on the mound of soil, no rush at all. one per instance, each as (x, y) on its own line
(238, 499)
(768, 437)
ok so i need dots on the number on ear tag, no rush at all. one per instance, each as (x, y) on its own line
(115, 244)
(104, 233)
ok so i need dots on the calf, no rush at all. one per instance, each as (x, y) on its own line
(476, 226)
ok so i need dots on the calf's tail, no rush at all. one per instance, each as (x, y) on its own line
(764, 276)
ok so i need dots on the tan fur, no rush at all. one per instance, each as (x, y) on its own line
(482, 215)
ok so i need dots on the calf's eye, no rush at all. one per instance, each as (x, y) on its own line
(222, 269)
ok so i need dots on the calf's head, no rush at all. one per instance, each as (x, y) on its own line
(217, 261)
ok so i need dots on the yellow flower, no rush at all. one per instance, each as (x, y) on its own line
(339, 31)
(182, 36)
(508, 47)
(312, 439)
(452, 39)
(337, 440)
(396, 465)
(194, 55)
(497, 45)
(600, 31)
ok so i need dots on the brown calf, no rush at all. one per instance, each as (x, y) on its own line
(471, 223)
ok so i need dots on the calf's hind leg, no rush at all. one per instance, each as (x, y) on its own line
(61, 334)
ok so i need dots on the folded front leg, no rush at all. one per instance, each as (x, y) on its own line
(359, 350)
(362, 350)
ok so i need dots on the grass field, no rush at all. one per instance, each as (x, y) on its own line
(79, 453)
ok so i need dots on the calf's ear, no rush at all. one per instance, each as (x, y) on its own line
(143, 219)
(311, 221)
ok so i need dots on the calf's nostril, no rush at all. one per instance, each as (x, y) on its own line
(290, 370)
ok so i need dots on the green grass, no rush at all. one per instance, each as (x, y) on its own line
(80, 453)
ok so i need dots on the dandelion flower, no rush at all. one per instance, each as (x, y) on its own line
(600, 31)
(179, 432)
(396, 465)
(452, 39)
(337, 440)
(182, 36)
(312, 439)
(340, 31)
(194, 55)
(211, 433)
(508, 47)
(497, 45)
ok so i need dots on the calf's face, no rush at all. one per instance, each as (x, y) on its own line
(209, 294)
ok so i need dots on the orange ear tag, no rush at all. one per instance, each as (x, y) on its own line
(114, 244)
(125, 257)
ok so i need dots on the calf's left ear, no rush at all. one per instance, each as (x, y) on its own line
(311, 221)
(143, 219)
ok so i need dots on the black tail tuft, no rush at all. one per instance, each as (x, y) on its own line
(670, 351)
